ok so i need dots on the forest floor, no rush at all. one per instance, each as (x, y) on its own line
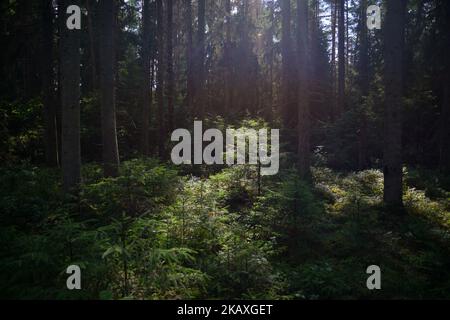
(158, 233)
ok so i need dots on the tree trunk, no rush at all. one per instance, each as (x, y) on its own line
(70, 100)
(48, 85)
(227, 57)
(269, 114)
(364, 82)
(189, 56)
(341, 53)
(200, 59)
(303, 64)
(394, 44)
(107, 87)
(347, 36)
(170, 76)
(147, 93)
(287, 65)
(333, 56)
(444, 154)
(92, 45)
(364, 50)
(444, 130)
(160, 77)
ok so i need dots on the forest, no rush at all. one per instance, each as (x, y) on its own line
(356, 94)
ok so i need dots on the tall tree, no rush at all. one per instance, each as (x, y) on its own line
(189, 56)
(91, 17)
(270, 60)
(227, 56)
(334, 8)
(107, 88)
(200, 59)
(444, 49)
(393, 56)
(147, 90)
(303, 64)
(170, 75)
(341, 54)
(363, 67)
(363, 71)
(70, 99)
(287, 100)
(48, 84)
(160, 76)
(347, 35)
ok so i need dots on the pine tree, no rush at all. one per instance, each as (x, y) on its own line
(70, 99)
(394, 44)
(107, 89)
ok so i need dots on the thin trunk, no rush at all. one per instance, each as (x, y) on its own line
(364, 50)
(287, 65)
(60, 25)
(160, 77)
(394, 45)
(303, 89)
(444, 132)
(227, 57)
(189, 55)
(347, 35)
(92, 45)
(170, 75)
(200, 85)
(333, 55)
(147, 86)
(341, 53)
(444, 154)
(270, 110)
(48, 85)
(70, 100)
(107, 87)
(364, 82)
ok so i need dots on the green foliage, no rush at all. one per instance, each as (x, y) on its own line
(151, 234)
(142, 188)
(359, 127)
(199, 232)
(21, 129)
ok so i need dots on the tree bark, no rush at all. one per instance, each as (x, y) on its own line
(170, 75)
(189, 55)
(394, 44)
(333, 57)
(147, 93)
(107, 88)
(444, 128)
(160, 77)
(363, 82)
(92, 45)
(200, 60)
(287, 65)
(48, 85)
(269, 114)
(347, 36)
(70, 100)
(341, 54)
(364, 50)
(303, 64)
(444, 145)
(227, 57)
